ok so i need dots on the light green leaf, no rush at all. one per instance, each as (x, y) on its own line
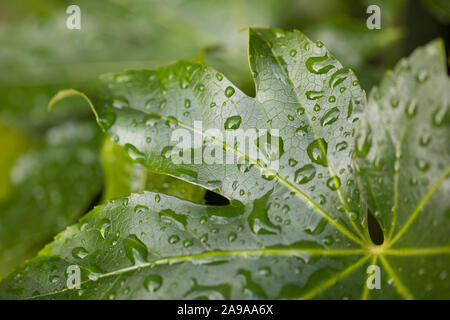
(53, 184)
(296, 231)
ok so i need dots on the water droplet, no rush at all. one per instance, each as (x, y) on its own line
(332, 99)
(140, 209)
(153, 283)
(187, 243)
(293, 53)
(341, 146)
(134, 153)
(353, 215)
(229, 91)
(79, 253)
(411, 109)
(422, 76)
(107, 120)
(440, 116)
(394, 102)
(330, 117)
(187, 103)
(233, 123)
(232, 236)
(334, 183)
(314, 95)
(425, 140)
(272, 147)
(174, 239)
(265, 271)
(135, 249)
(219, 76)
(422, 165)
(105, 228)
(319, 65)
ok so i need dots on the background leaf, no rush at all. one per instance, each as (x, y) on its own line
(53, 184)
(123, 177)
(283, 221)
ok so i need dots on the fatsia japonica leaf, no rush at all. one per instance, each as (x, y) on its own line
(123, 176)
(403, 153)
(298, 230)
(52, 185)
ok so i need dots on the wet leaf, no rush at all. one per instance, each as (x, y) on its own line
(40, 55)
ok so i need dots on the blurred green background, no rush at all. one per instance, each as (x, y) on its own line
(56, 165)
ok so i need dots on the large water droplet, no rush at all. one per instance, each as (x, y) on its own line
(229, 91)
(319, 65)
(134, 153)
(330, 117)
(314, 95)
(317, 152)
(79, 253)
(334, 183)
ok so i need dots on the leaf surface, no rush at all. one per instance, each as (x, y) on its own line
(123, 176)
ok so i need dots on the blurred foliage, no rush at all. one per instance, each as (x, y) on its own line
(124, 176)
(14, 144)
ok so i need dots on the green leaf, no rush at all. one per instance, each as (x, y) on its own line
(52, 185)
(296, 231)
(123, 177)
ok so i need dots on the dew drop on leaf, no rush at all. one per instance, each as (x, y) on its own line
(153, 283)
(317, 152)
(233, 123)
